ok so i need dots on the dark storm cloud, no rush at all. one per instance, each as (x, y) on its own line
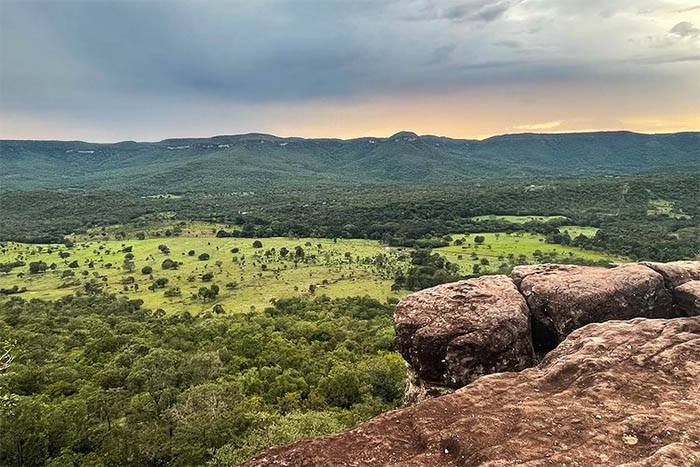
(107, 62)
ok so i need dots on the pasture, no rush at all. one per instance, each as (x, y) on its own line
(176, 266)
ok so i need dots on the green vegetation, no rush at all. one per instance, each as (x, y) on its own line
(499, 252)
(255, 161)
(162, 273)
(663, 207)
(518, 219)
(102, 381)
(395, 215)
(576, 230)
(203, 304)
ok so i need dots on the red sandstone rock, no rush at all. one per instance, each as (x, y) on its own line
(677, 272)
(620, 392)
(688, 298)
(453, 333)
(563, 298)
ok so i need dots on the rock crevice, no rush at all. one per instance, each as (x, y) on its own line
(454, 333)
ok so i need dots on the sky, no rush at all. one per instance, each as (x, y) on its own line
(105, 71)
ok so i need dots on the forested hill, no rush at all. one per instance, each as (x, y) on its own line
(258, 160)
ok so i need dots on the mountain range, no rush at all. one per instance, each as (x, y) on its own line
(253, 161)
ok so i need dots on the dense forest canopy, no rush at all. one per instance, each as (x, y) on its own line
(131, 357)
(255, 161)
(626, 209)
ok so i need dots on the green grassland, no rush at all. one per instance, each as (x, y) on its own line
(504, 250)
(663, 207)
(250, 278)
(517, 219)
(576, 230)
(259, 274)
(162, 228)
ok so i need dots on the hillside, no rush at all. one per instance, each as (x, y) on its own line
(257, 160)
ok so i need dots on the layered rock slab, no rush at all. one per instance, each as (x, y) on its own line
(677, 272)
(614, 393)
(454, 333)
(563, 298)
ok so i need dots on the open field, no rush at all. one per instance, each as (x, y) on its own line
(663, 207)
(503, 250)
(576, 230)
(517, 219)
(255, 275)
(250, 277)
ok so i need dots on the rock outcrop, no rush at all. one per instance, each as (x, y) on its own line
(611, 392)
(688, 298)
(563, 298)
(620, 392)
(677, 272)
(453, 333)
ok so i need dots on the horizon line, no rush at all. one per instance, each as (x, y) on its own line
(495, 135)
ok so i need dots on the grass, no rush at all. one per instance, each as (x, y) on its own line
(663, 207)
(341, 268)
(503, 250)
(517, 219)
(259, 279)
(576, 230)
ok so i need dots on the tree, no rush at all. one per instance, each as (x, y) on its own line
(190, 253)
(257, 244)
(203, 257)
(128, 265)
(169, 264)
(284, 251)
(146, 270)
(164, 249)
(37, 267)
(208, 294)
(479, 239)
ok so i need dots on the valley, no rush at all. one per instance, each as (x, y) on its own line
(250, 273)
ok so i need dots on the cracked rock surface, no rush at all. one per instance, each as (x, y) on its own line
(563, 298)
(453, 333)
(614, 393)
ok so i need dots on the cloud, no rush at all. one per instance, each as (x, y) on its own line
(685, 29)
(539, 126)
(119, 65)
(485, 11)
(509, 43)
(664, 59)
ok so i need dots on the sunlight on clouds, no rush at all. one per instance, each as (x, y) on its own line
(539, 126)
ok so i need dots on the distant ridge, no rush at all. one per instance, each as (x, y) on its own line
(256, 160)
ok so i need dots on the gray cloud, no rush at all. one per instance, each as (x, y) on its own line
(509, 43)
(111, 62)
(486, 11)
(685, 29)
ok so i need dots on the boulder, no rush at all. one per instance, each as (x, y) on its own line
(453, 333)
(563, 298)
(619, 392)
(687, 298)
(677, 272)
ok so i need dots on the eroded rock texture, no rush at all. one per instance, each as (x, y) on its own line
(563, 298)
(677, 272)
(615, 393)
(688, 298)
(453, 333)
